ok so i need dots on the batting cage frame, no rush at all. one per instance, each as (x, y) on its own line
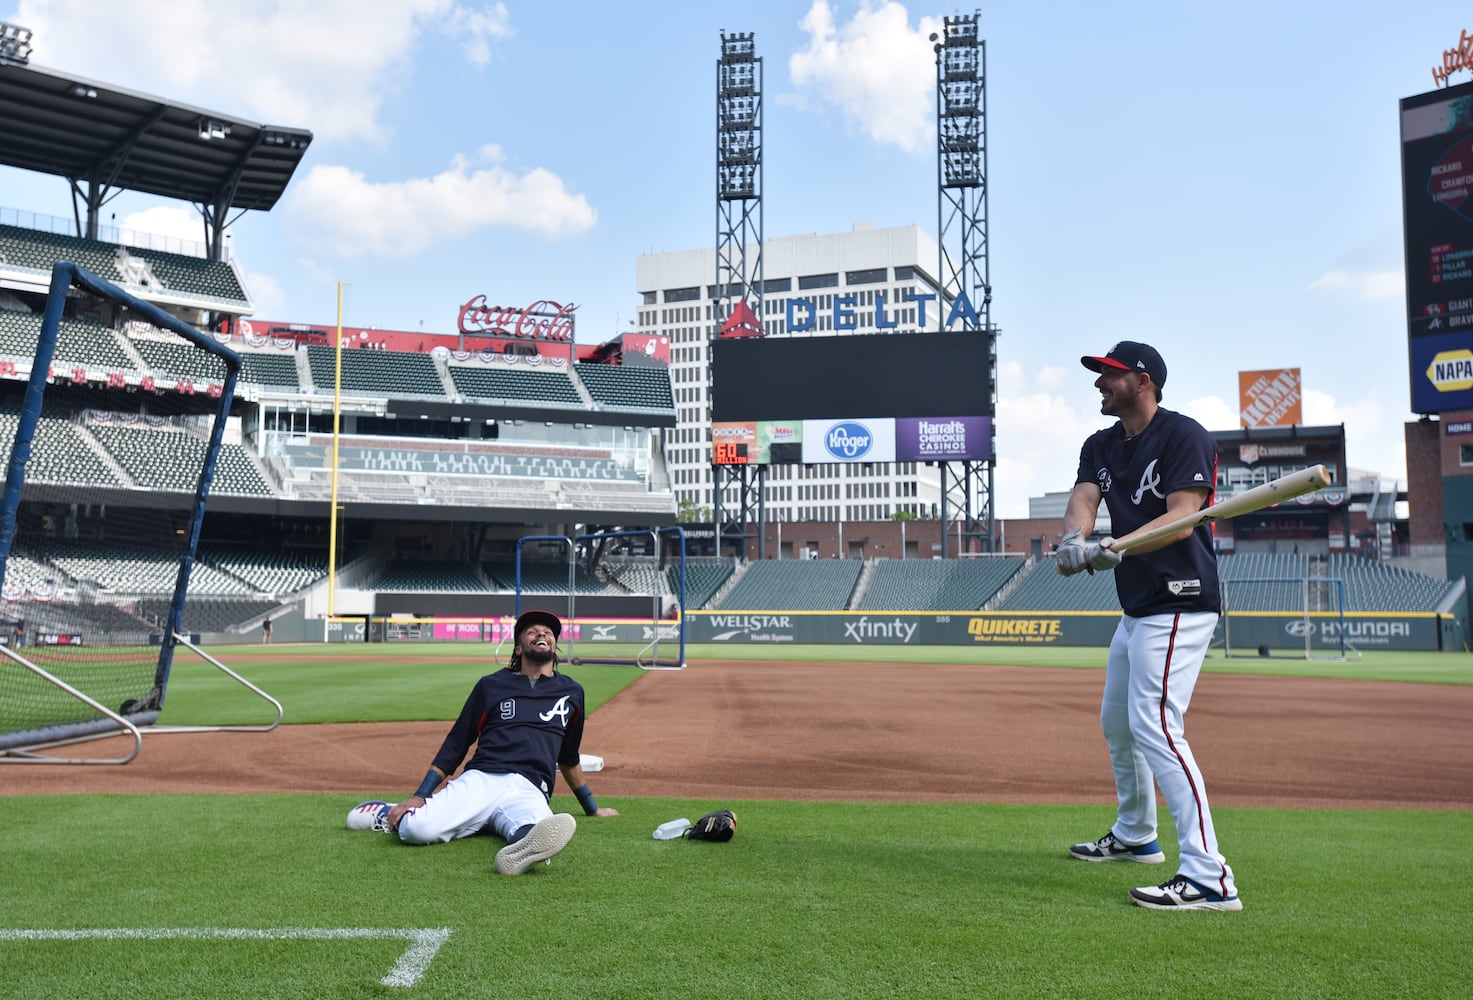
(134, 715)
(592, 547)
(1319, 608)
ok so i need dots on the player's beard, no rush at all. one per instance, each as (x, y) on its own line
(539, 656)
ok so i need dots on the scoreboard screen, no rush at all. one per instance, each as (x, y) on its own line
(891, 375)
(858, 397)
(1437, 221)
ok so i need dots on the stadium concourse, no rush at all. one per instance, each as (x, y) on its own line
(731, 731)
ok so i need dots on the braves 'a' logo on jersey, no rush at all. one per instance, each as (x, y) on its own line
(561, 710)
(1150, 482)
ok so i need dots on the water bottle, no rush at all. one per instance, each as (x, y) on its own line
(672, 829)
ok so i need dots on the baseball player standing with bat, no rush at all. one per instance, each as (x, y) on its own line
(523, 721)
(1152, 467)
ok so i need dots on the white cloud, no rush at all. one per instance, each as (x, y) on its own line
(326, 66)
(172, 222)
(1365, 286)
(352, 215)
(477, 28)
(266, 293)
(876, 71)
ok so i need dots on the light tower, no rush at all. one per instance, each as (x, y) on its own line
(737, 297)
(961, 169)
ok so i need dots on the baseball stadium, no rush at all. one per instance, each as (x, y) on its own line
(251, 567)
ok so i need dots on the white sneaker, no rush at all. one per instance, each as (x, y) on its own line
(549, 836)
(372, 815)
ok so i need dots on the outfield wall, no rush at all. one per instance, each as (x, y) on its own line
(1409, 630)
(1282, 630)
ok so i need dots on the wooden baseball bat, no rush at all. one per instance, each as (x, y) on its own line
(1295, 484)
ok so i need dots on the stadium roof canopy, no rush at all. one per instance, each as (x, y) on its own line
(102, 137)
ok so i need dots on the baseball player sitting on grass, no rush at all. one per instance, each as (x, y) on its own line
(1153, 466)
(523, 720)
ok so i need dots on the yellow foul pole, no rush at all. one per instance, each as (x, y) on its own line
(332, 519)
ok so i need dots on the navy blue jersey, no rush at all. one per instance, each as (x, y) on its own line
(1135, 476)
(518, 727)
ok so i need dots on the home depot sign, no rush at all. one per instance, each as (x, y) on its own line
(1270, 398)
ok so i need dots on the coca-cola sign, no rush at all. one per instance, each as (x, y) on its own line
(542, 320)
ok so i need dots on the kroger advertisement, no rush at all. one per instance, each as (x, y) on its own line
(897, 439)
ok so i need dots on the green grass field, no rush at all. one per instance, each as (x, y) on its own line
(253, 896)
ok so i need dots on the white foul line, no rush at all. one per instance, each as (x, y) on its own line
(424, 941)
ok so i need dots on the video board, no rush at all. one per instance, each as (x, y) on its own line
(853, 398)
(1437, 221)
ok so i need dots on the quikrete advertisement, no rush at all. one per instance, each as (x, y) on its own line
(1011, 630)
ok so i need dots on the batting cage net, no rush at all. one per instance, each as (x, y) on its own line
(1298, 617)
(113, 415)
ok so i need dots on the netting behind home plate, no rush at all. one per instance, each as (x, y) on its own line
(112, 414)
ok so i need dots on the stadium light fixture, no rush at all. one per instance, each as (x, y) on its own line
(80, 90)
(15, 44)
(209, 129)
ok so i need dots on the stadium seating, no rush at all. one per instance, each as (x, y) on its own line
(1043, 589)
(793, 585)
(177, 360)
(267, 572)
(385, 374)
(38, 250)
(130, 569)
(429, 576)
(545, 578)
(532, 385)
(1372, 586)
(78, 342)
(704, 576)
(214, 279)
(59, 454)
(937, 584)
(627, 387)
(171, 459)
(270, 368)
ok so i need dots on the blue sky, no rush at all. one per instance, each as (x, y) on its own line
(1224, 185)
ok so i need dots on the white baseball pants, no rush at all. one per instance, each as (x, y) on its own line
(472, 802)
(1153, 667)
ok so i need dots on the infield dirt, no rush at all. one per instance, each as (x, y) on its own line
(732, 730)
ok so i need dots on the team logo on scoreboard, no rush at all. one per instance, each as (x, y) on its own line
(848, 440)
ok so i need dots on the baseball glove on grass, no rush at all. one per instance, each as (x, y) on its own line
(719, 826)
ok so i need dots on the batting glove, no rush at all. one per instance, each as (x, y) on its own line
(1101, 558)
(1072, 555)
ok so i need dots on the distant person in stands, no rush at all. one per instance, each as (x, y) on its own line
(266, 632)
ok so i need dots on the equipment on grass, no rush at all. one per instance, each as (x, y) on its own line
(105, 488)
(718, 826)
(1288, 487)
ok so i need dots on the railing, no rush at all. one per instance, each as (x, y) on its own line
(60, 226)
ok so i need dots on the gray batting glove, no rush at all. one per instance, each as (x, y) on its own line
(1072, 555)
(1100, 558)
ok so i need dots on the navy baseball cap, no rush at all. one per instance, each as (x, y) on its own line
(530, 618)
(1131, 356)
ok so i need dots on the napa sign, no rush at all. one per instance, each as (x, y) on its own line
(803, 313)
